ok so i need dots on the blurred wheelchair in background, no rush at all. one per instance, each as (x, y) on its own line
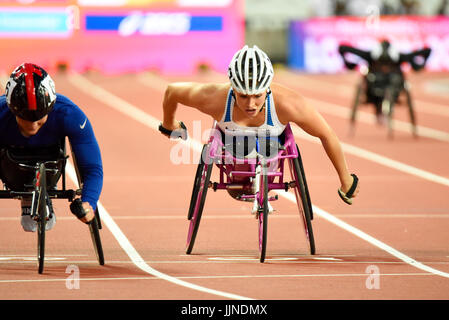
(383, 80)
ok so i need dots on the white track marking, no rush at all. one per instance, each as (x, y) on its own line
(332, 275)
(375, 157)
(340, 223)
(342, 112)
(346, 90)
(137, 114)
(155, 83)
(99, 93)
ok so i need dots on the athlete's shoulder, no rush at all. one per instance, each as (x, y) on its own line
(284, 95)
(3, 106)
(64, 102)
(289, 103)
(65, 106)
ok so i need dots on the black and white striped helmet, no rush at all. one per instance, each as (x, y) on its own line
(250, 71)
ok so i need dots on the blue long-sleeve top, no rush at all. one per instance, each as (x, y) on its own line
(65, 120)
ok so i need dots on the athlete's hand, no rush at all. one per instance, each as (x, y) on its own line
(172, 125)
(349, 188)
(90, 213)
(174, 130)
(82, 210)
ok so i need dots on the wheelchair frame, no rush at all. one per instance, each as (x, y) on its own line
(262, 173)
(40, 195)
(386, 102)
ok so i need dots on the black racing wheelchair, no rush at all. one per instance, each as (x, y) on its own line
(34, 173)
(383, 81)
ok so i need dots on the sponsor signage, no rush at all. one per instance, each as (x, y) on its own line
(313, 44)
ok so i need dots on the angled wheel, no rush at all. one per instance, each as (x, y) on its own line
(303, 200)
(263, 214)
(387, 110)
(199, 192)
(41, 214)
(356, 102)
(411, 112)
(96, 240)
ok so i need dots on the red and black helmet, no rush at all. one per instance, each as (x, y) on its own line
(30, 92)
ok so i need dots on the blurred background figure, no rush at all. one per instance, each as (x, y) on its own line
(383, 79)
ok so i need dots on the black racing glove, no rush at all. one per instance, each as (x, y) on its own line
(346, 197)
(175, 134)
(78, 210)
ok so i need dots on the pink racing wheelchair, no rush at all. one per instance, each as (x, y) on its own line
(250, 167)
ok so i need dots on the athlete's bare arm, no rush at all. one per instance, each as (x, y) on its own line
(207, 98)
(292, 107)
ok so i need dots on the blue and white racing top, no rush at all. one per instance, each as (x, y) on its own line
(271, 127)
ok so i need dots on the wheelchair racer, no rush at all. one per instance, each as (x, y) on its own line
(384, 69)
(32, 117)
(252, 102)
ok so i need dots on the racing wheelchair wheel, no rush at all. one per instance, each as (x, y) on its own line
(199, 192)
(41, 214)
(355, 104)
(96, 240)
(263, 215)
(303, 199)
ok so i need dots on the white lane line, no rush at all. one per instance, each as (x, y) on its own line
(374, 157)
(331, 275)
(128, 109)
(342, 112)
(359, 233)
(346, 90)
(91, 88)
(297, 261)
(366, 117)
(361, 215)
(156, 83)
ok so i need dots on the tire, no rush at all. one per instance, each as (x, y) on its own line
(302, 201)
(356, 102)
(198, 199)
(387, 109)
(196, 184)
(41, 208)
(96, 240)
(263, 217)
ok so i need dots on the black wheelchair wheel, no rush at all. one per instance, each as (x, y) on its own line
(303, 200)
(41, 208)
(263, 216)
(411, 112)
(198, 199)
(387, 109)
(301, 168)
(356, 102)
(96, 240)
(196, 184)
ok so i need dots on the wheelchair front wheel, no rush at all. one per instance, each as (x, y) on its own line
(201, 184)
(96, 240)
(263, 216)
(41, 214)
(303, 200)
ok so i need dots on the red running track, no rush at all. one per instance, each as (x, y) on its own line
(400, 218)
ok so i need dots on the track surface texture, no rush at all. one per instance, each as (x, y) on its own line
(391, 244)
